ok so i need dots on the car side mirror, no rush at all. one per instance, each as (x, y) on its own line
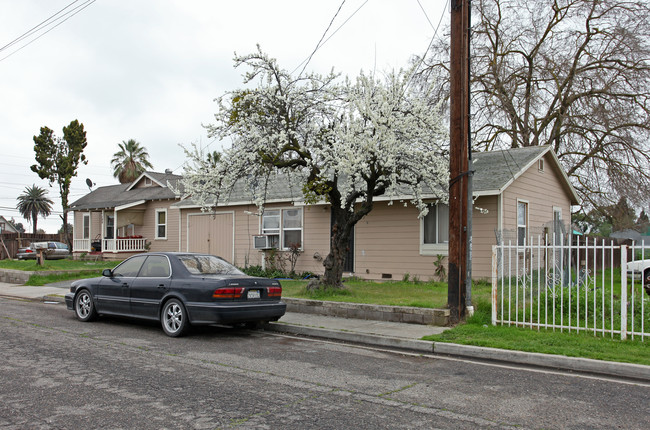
(108, 273)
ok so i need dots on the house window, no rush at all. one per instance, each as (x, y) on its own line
(522, 221)
(284, 227)
(110, 223)
(540, 165)
(161, 224)
(434, 230)
(147, 182)
(291, 228)
(86, 226)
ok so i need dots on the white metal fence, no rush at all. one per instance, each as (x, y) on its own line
(580, 285)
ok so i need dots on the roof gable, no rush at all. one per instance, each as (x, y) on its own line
(154, 179)
(497, 170)
(126, 195)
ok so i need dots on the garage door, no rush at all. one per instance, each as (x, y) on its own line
(211, 234)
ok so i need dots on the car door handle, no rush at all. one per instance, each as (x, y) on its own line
(162, 286)
(125, 284)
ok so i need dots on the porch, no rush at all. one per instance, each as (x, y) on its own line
(111, 230)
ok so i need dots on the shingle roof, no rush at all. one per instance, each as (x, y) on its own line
(118, 195)
(494, 171)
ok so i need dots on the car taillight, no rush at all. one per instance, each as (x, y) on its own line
(228, 293)
(28, 250)
(275, 292)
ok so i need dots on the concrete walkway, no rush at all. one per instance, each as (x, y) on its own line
(392, 335)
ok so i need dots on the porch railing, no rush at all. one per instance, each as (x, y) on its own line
(581, 286)
(81, 245)
(112, 245)
(123, 245)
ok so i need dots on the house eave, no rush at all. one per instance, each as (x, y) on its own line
(129, 205)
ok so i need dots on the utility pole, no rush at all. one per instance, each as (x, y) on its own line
(459, 198)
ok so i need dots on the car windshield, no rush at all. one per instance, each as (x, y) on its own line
(208, 265)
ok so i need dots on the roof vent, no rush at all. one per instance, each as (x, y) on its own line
(168, 171)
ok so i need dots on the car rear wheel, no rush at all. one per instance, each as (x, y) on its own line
(84, 308)
(646, 281)
(174, 318)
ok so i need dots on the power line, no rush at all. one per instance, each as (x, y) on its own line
(35, 28)
(320, 45)
(321, 39)
(433, 38)
(8, 208)
(47, 22)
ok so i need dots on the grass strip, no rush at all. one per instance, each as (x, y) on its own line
(40, 280)
(63, 265)
(478, 331)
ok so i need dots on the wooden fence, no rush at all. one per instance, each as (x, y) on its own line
(10, 242)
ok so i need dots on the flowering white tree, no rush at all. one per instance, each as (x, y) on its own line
(344, 143)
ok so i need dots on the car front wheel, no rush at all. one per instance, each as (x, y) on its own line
(646, 281)
(174, 318)
(84, 308)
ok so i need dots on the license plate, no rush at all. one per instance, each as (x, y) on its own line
(253, 294)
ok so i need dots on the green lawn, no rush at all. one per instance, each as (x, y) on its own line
(416, 294)
(479, 332)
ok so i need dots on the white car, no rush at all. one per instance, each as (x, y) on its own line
(640, 270)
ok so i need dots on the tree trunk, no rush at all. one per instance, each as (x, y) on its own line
(66, 233)
(34, 219)
(342, 223)
(333, 263)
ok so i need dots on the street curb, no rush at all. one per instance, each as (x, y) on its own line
(347, 336)
(57, 299)
(46, 298)
(587, 365)
(584, 365)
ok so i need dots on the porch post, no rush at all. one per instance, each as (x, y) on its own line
(101, 231)
(114, 231)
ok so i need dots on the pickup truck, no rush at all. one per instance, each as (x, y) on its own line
(640, 270)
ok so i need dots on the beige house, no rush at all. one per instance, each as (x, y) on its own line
(517, 193)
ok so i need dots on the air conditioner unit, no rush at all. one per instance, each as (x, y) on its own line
(266, 241)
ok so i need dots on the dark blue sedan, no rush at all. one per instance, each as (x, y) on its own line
(179, 290)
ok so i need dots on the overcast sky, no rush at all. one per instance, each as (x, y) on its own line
(150, 70)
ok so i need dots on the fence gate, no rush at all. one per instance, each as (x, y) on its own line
(577, 286)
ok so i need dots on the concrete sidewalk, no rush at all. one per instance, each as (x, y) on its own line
(393, 335)
(32, 293)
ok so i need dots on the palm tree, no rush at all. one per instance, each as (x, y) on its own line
(130, 161)
(34, 202)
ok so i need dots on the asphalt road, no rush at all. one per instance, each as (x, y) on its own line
(58, 373)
